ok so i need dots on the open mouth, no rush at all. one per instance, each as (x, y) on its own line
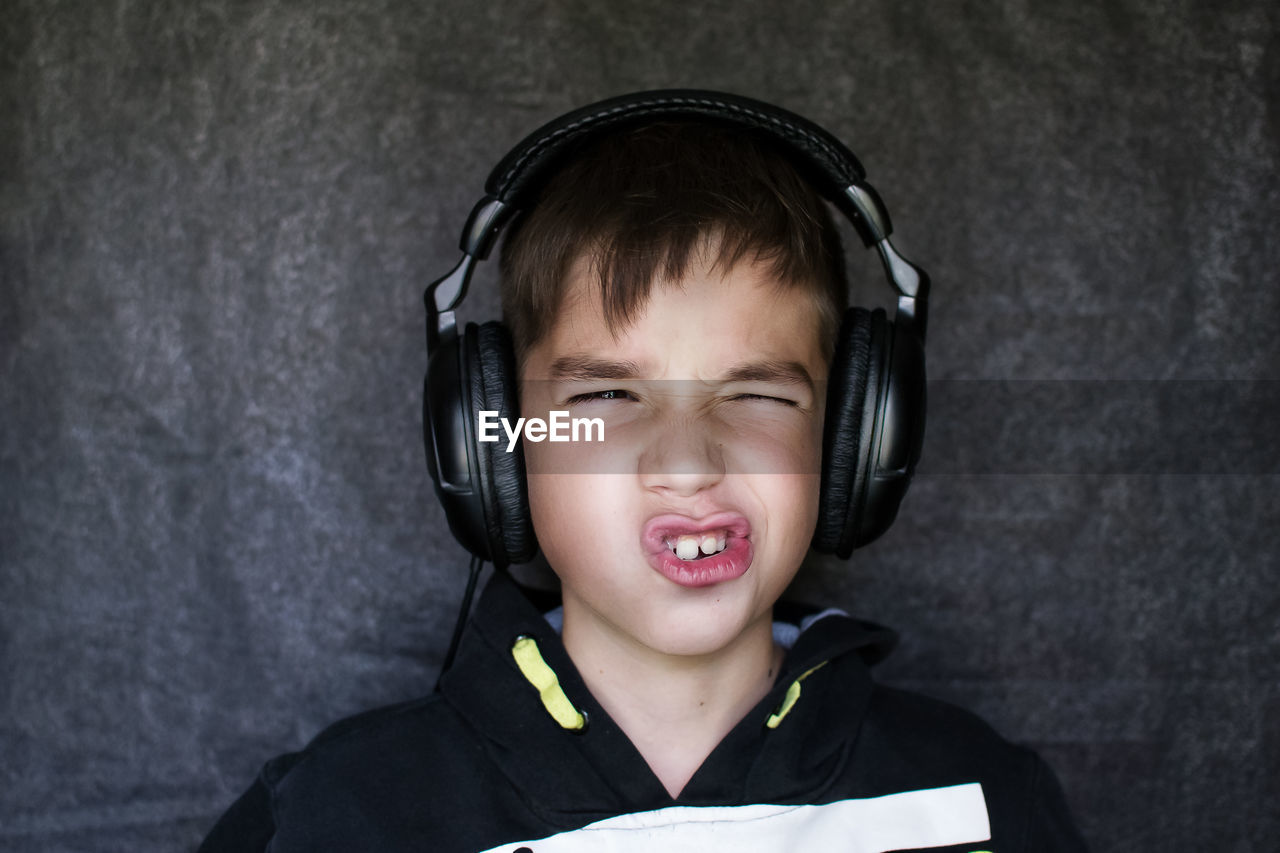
(697, 547)
(699, 552)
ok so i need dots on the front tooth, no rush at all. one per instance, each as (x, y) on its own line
(687, 547)
(720, 543)
(708, 544)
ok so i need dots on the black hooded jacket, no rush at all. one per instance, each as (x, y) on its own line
(828, 760)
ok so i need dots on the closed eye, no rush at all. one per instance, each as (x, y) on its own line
(765, 398)
(609, 394)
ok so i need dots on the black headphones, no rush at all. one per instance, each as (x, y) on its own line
(876, 391)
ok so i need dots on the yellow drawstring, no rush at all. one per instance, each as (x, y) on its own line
(790, 699)
(543, 678)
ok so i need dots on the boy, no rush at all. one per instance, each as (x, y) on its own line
(680, 284)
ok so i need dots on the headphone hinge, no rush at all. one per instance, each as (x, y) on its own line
(912, 284)
(442, 296)
(483, 224)
(872, 219)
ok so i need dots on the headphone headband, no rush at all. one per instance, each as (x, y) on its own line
(518, 176)
(829, 165)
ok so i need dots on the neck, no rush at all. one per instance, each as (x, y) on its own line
(674, 708)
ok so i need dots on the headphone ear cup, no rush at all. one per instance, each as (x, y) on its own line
(853, 393)
(491, 372)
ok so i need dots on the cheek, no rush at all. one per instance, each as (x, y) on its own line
(790, 503)
(552, 501)
(552, 512)
(786, 443)
(576, 514)
(787, 467)
(802, 496)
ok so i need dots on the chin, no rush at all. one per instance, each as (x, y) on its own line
(703, 628)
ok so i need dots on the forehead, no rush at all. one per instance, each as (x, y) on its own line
(704, 325)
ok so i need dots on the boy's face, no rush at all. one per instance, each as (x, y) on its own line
(712, 405)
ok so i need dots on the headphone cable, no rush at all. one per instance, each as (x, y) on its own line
(472, 577)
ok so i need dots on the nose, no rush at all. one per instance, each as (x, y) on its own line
(682, 459)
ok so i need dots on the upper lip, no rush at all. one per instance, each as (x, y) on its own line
(662, 527)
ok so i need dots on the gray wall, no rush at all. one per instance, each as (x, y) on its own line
(216, 219)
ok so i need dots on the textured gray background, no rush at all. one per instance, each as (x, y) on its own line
(216, 218)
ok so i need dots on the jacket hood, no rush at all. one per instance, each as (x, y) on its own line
(787, 749)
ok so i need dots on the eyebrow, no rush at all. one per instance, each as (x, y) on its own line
(585, 367)
(582, 367)
(783, 372)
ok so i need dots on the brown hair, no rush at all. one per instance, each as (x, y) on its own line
(642, 203)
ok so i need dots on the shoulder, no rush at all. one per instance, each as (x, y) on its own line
(909, 741)
(354, 782)
(365, 740)
(913, 723)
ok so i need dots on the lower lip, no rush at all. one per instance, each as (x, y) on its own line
(729, 564)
